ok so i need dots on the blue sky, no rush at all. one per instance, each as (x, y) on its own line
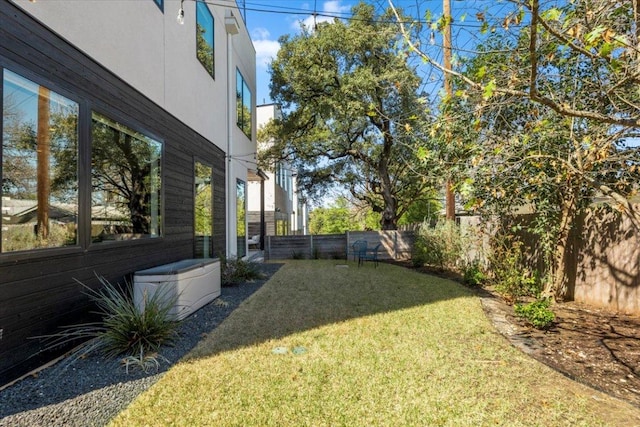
(267, 20)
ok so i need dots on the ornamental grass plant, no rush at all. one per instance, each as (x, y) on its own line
(125, 329)
(328, 343)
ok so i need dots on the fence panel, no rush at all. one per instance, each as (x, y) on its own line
(395, 245)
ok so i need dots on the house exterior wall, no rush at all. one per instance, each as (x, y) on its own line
(135, 64)
(285, 212)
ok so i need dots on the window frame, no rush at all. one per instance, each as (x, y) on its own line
(202, 7)
(242, 89)
(134, 126)
(207, 164)
(241, 239)
(39, 80)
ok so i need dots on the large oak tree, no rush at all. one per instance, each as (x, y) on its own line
(353, 112)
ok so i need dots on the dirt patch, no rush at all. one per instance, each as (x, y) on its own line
(596, 347)
(593, 346)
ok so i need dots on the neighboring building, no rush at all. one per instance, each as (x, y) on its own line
(121, 131)
(285, 211)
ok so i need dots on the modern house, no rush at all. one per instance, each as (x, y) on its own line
(125, 125)
(284, 210)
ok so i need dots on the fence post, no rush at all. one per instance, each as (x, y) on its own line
(346, 251)
(268, 247)
(311, 245)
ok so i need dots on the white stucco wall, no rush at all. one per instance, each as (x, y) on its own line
(147, 48)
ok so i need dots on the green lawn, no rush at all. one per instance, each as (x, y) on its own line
(325, 345)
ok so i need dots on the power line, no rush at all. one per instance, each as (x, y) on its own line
(283, 10)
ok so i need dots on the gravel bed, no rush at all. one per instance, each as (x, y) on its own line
(92, 390)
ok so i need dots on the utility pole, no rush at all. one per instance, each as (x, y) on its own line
(450, 199)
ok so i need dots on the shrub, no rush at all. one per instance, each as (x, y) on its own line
(473, 274)
(235, 271)
(512, 278)
(297, 255)
(124, 328)
(22, 237)
(440, 246)
(537, 313)
(127, 328)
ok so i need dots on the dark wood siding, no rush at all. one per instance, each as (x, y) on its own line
(38, 292)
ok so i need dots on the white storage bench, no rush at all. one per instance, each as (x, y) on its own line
(192, 282)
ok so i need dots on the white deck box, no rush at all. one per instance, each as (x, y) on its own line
(193, 282)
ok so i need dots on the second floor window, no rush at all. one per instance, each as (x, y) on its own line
(204, 37)
(160, 4)
(243, 105)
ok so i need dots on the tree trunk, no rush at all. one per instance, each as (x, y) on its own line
(43, 168)
(557, 288)
(389, 220)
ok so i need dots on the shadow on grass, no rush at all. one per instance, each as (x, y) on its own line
(305, 295)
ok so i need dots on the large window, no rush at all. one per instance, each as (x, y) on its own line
(204, 37)
(39, 175)
(241, 224)
(125, 181)
(203, 210)
(243, 105)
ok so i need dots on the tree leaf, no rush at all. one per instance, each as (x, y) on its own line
(488, 90)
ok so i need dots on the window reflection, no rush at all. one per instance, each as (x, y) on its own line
(243, 105)
(203, 207)
(125, 180)
(39, 204)
(241, 207)
(204, 37)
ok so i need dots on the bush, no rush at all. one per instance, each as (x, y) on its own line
(537, 313)
(124, 328)
(235, 271)
(473, 274)
(129, 329)
(512, 278)
(440, 246)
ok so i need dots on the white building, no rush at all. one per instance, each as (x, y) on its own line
(140, 125)
(285, 211)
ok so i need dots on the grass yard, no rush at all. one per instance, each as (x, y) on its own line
(325, 345)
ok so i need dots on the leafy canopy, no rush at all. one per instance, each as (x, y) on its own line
(354, 115)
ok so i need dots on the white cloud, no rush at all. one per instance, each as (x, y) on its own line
(266, 49)
(332, 7)
(260, 33)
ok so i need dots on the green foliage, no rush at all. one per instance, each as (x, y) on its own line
(473, 273)
(441, 246)
(355, 112)
(22, 237)
(144, 362)
(538, 313)
(424, 209)
(125, 329)
(512, 278)
(334, 219)
(235, 271)
(342, 216)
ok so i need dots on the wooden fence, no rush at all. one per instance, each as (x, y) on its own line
(602, 262)
(395, 245)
